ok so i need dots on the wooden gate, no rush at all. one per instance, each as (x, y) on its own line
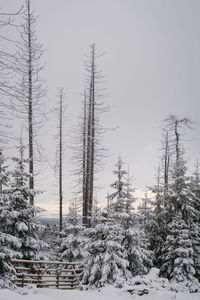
(43, 274)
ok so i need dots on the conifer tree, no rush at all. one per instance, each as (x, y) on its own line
(22, 223)
(145, 210)
(177, 254)
(156, 227)
(139, 256)
(106, 262)
(118, 198)
(72, 240)
(195, 230)
(107, 259)
(96, 217)
(9, 245)
(136, 239)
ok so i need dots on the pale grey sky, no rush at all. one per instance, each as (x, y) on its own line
(152, 68)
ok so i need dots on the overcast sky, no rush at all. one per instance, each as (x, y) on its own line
(152, 69)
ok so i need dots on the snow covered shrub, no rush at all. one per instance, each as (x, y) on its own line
(6, 283)
(146, 284)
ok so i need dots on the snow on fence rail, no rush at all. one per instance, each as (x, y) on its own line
(60, 275)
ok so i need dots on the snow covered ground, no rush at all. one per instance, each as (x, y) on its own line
(107, 293)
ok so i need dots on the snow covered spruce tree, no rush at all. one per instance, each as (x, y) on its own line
(72, 240)
(145, 211)
(118, 199)
(30, 89)
(135, 240)
(116, 248)
(195, 230)
(177, 258)
(156, 226)
(153, 219)
(106, 262)
(21, 216)
(9, 245)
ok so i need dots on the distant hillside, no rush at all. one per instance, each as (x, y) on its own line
(51, 219)
(48, 220)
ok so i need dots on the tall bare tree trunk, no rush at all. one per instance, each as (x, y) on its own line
(166, 164)
(29, 88)
(60, 159)
(30, 106)
(90, 138)
(84, 163)
(87, 147)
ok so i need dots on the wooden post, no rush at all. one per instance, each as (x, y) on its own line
(57, 281)
(22, 280)
(76, 279)
(57, 278)
(40, 275)
(15, 266)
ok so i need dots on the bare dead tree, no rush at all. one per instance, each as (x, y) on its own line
(79, 148)
(96, 107)
(87, 144)
(60, 152)
(84, 159)
(60, 158)
(30, 88)
(165, 163)
(175, 127)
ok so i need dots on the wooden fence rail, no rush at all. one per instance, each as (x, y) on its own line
(60, 275)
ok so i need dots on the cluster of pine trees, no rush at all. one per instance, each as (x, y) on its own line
(122, 241)
(163, 231)
(114, 247)
(174, 227)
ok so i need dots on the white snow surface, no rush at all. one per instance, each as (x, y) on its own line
(107, 293)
